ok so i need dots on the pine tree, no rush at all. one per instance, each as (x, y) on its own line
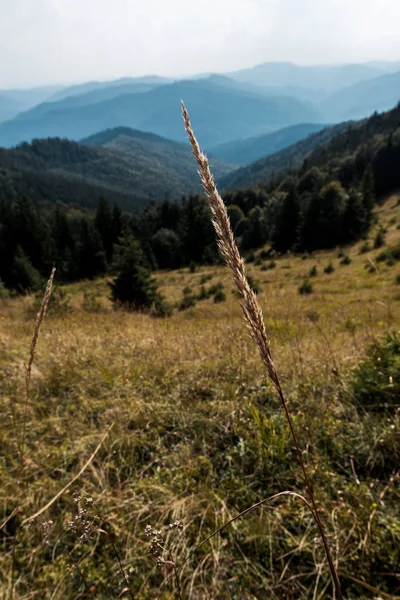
(24, 276)
(355, 218)
(133, 287)
(287, 219)
(90, 259)
(368, 192)
(104, 225)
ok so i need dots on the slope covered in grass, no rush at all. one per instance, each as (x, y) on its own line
(198, 435)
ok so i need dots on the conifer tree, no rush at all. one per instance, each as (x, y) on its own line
(133, 286)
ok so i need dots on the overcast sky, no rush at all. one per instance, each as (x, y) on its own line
(67, 41)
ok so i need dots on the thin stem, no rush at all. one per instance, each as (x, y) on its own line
(252, 312)
(225, 525)
(309, 489)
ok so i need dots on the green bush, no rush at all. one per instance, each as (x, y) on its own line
(329, 269)
(90, 302)
(377, 380)
(219, 297)
(161, 308)
(379, 240)
(214, 289)
(203, 294)
(366, 247)
(4, 292)
(192, 267)
(253, 284)
(205, 278)
(306, 288)
(346, 260)
(314, 271)
(188, 301)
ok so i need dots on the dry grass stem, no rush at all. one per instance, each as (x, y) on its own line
(250, 306)
(39, 320)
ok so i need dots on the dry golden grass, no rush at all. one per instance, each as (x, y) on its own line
(191, 440)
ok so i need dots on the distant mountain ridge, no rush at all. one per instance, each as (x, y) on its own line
(248, 150)
(341, 150)
(288, 158)
(219, 114)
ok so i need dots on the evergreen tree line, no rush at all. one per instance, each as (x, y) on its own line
(301, 213)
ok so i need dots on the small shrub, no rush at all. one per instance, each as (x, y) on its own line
(192, 267)
(203, 294)
(346, 260)
(219, 297)
(340, 254)
(205, 278)
(188, 301)
(313, 316)
(329, 269)
(253, 284)
(250, 257)
(379, 239)
(377, 379)
(214, 289)
(258, 261)
(161, 308)
(187, 291)
(58, 302)
(398, 279)
(4, 292)
(264, 254)
(306, 288)
(264, 267)
(366, 247)
(271, 264)
(314, 271)
(90, 302)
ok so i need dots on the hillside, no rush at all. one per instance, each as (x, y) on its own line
(84, 99)
(248, 150)
(101, 86)
(364, 98)
(134, 169)
(195, 433)
(14, 101)
(290, 157)
(219, 113)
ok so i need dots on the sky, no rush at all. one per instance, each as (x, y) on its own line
(70, 41)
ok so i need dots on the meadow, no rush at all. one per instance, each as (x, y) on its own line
(198, 435)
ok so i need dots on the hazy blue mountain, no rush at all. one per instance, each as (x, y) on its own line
(129, 167)
(288, 158)
(83, 88)
(14, 101)
(219, 114)
(9, 107)
(248, 150)
(362, 99)
(85, 99)
(321, 77)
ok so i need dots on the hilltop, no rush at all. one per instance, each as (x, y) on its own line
(125, 166)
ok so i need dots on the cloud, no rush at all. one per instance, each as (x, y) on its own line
(74, 40)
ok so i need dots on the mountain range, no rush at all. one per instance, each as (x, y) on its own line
(224, 107)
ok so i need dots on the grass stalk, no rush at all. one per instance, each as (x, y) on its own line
(28, 372)
(251, 309)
